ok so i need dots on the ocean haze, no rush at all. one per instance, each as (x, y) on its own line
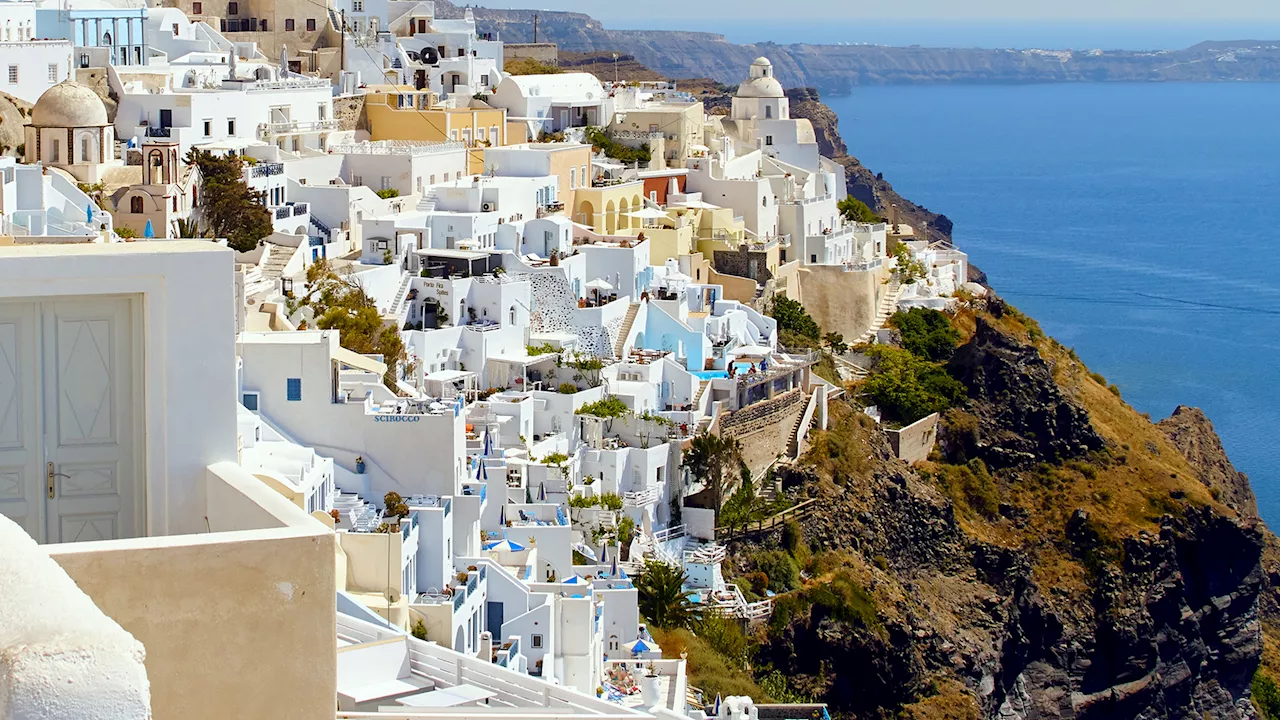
(1134, 221)
(1115, 35)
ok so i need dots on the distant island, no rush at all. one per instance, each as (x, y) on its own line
(836, 69)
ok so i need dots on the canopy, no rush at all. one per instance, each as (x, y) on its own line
(598, 284)
(648, 213)
(358, 361)
(588, 553)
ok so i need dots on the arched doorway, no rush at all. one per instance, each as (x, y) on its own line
(610, 218)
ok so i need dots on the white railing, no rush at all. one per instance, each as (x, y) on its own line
(642, 498)
(673, 533)
(295, 127)
(510, 688)
(708, 554)
(290, 84)
(396, 147)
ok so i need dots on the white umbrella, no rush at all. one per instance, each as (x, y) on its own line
(599, 284)
(647, 213)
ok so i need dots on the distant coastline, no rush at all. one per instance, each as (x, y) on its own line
(837, 69)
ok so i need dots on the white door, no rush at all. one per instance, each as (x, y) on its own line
(70, 448)
(21, 457)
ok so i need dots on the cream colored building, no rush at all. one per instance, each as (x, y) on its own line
(674, 129)
(69, 130)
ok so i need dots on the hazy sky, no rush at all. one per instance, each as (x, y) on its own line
(979, 10)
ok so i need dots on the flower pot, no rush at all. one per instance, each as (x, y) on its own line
(649, 690)
(360, 467)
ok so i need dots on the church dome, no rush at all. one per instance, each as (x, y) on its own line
(761, 83)
(69, 105)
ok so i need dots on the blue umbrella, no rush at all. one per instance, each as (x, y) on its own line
(487, 443)
(481, 473)
(88, 213)
(148, 231)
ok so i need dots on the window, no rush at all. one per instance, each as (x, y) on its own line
(357, 179)
(231, 126)
(357, 6)
(135, 205)
(250, 401)
(535, 640)
(262, 24)
(288, 25)
(768, 139)
(457, 175)
(55, 151)
(813, 259)
(768, 112)
(175, 29)
(386, 182)
(53, 72)
(13, 74)
(433, 179)
(84, 149)
(573, 178)
(233, 8)
(293, 389)
(322, 111)
(197, 8)
(484, 80)
(482, 134)
(208, 128)
(311, 24)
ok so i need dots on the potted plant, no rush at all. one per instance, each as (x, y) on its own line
(360, 465)
(649, 693)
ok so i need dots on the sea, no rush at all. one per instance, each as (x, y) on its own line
(1139, 223)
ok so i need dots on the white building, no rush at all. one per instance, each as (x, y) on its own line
(29, 66)
(552, 103)
(69, 130)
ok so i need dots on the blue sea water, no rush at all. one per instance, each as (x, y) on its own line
(1139, 223)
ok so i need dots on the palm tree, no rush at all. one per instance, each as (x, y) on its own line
(663, 599)
(709, 457)
(189, 228)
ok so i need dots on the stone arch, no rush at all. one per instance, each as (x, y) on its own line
(460, 640)
(636, 203)
(610, 218)
(302, 230)
(623, 220)
(587, 213)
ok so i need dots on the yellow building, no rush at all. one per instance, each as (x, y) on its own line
(400, 112)
(570, 162)
(674, 128)
(604, 209)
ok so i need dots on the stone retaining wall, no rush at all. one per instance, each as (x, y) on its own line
(764, 429)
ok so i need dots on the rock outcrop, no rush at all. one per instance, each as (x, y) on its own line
(1191, 432)
(1023, 417)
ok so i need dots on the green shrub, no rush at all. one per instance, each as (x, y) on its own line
(792, 318)
(971, 486)
(608, 407)
(387, 193)
(568, 388)
(616, 150)
(781, 569)
(855, 210)
(926, 333)
(907, 388)
(1266, 697)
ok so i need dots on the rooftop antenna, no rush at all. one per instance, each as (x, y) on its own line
(535, 27)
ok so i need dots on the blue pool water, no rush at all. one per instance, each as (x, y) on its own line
(1136, 222)
(710, 374)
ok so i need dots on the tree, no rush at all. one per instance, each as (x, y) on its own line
(708, 458)
(340, 303)
(663, 599)
(835, 342)
(926, 333)
(231, 209)
(907, 269)
(189, 228)
(906, 387)
(794, 321)
(854, 210)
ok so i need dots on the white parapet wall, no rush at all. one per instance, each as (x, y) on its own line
(60, 656)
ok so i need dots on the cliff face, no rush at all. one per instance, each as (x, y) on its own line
(1194, 436)
(1105, 586)
(838, 68)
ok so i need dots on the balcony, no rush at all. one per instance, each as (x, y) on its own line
(268, 131)
(158, 132)
(264, 169)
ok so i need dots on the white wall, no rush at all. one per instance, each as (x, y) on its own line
(188, 319)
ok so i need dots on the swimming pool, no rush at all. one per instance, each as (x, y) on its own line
(710, 374)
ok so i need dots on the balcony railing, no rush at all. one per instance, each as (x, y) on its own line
(266, 130)
(300, 208)
(407, 528)
(283, 213)
(291, 84)
(266, 169)
(158, 132)
(396, 147)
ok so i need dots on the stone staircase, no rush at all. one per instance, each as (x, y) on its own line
(793, 436)
(620, 344)
(702, 387)
(428, 201)
(399, 308)
(888, 306)
(274, 260)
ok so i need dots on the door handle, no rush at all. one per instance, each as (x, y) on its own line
(50, 479)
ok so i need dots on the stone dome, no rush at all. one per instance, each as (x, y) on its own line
(761, 87)
(69, 105)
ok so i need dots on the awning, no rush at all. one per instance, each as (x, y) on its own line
(356, 360)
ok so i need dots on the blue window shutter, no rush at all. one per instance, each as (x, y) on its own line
(294, 389)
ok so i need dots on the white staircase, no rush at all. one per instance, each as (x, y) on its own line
(274, 260)
(888, 306)
(627, 322)
(400, 303)
(428, 201)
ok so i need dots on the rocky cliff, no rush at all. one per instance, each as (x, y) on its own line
(839, 68)
(1092, 576)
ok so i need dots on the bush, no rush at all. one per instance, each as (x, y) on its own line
(971, 486)
(855, 210)
(792, 318)
(907, 388)
(1266, 697)
(609, 407)
(846, 600)
(779, 567)
(616, 150)
(387, 193)
(926, 333)
(568, 388)
(793, 541)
